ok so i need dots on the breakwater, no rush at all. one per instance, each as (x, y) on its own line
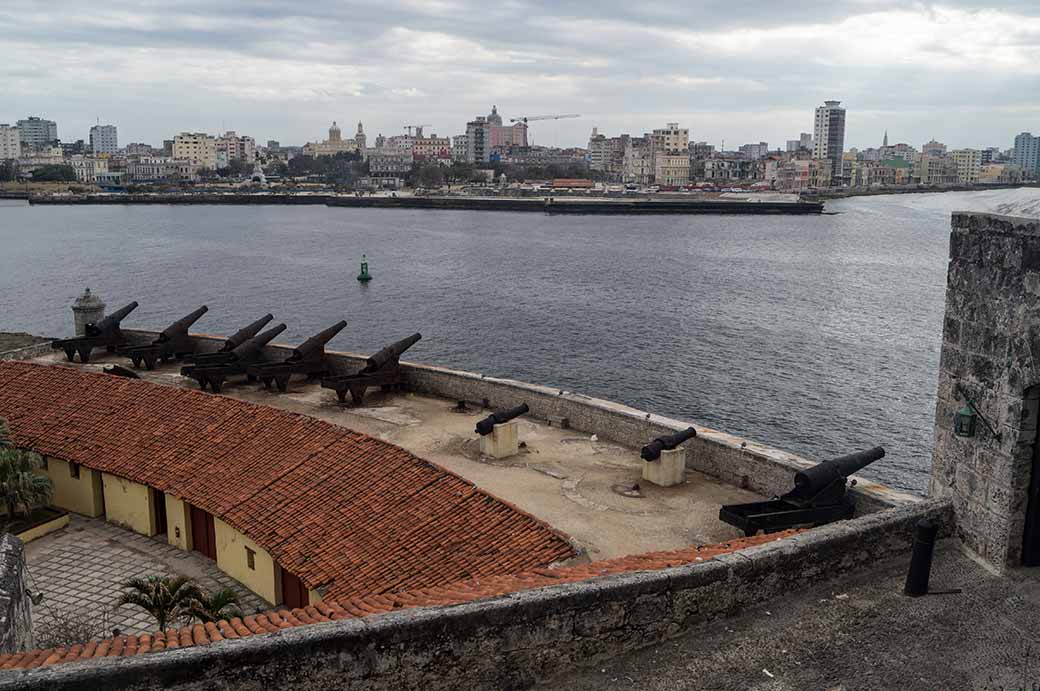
(546, 205)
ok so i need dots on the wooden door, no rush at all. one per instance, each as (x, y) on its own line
(294, 593)
(203, 533)
(159, 501)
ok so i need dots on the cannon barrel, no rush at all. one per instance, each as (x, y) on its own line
(485, 426)
(391, 352)
(245, 333)
(652, 451)
(254, 345)
(111, 321)
(317, 341)
(180, 327)
(812, 480)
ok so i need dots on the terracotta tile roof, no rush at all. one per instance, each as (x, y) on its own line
(330, 610)
(335, 507)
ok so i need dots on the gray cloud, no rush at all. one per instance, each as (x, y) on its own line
(742, 70)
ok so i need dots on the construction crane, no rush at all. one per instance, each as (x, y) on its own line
(417, 128)
(532, 118)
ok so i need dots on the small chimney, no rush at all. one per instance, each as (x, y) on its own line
(87, 309)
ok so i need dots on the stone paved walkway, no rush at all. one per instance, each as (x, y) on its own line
(80, 569)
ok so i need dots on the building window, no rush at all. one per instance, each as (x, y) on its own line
(251, 559)
(74, 470)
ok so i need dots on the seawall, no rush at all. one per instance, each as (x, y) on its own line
(540, 205)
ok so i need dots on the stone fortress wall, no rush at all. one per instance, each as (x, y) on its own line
(747, 464)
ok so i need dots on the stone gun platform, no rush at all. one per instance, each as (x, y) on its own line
(579, 485)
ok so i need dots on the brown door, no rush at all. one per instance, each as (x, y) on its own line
(159, 501)
(203, 533)
(294, 593)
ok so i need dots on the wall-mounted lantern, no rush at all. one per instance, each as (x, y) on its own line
(964, 419)
(964, 422)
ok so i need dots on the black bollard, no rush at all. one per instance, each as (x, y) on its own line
(921, 559)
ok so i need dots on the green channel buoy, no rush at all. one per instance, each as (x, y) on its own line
(364, 276)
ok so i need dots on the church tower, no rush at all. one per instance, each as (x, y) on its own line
(360, 137)
(885, 143)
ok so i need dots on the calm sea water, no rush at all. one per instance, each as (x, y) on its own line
(819, 335)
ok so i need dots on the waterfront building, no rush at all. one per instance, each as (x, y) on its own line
(638, 162)
(458, 148)
(701, 150)
(335, 144)
(432, 148)
(607, 154)
(197, 148)
(87, 168)
(933, 148)
(10, 142)
(45, 156)
(37, 132)
(968, 162)
(478, 140)
(159, 169)
(103, 139)
(936, 171)
(670, 138)
(230, 147)
(829, 134)
(803, 174)
(390, 162)
(1026, 154)
(999, 174)
(672, 169)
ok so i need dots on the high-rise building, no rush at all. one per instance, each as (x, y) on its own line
(1027, 153)
(231, 147)
(968, 162)
(829, 135)
(196, 147)
(103, 139)
(478, 140)
(755, 151)
(10, 142)
(37, 132)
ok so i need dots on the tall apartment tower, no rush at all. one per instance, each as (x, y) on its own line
(1027, 153)
(829, 134)
(36, 132)
(10, 142)
(103, 139)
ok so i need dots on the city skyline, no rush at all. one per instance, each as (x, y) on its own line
(214, 67)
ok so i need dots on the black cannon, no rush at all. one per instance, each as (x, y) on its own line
(652, 451)
(382, 369)
(232, 342)
(487, 425)
(819, 497)
(308, 359)
(105, 333)
(249, 353)
(173, 343)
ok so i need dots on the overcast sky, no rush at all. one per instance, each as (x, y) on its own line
(739, 70)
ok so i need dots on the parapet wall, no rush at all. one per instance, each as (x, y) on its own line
(733, 460)
(15, 605)
(507, 642)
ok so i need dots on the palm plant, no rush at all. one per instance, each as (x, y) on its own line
(167, 598)
(20, 484)
(220, 604)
